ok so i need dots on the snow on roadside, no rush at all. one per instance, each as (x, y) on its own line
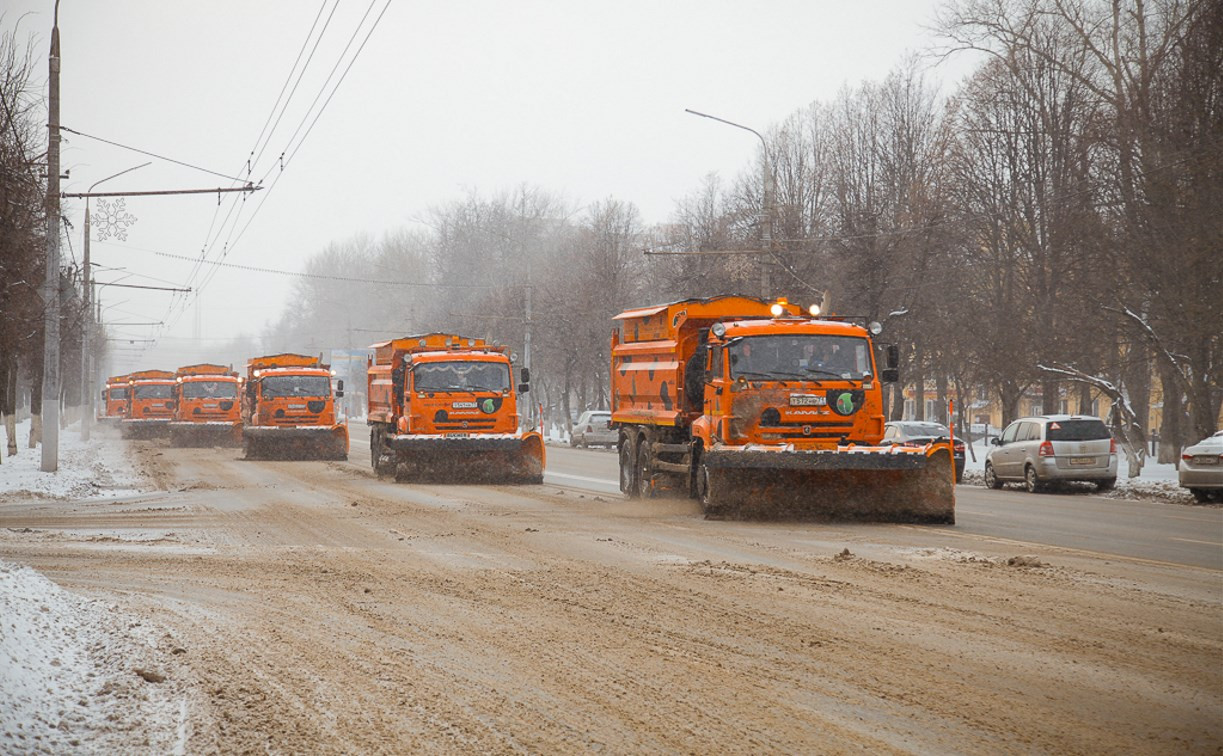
(97, 468)
(78, 674)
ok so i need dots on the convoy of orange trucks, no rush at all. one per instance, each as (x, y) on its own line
(206, 407)
(758, 409)
(289, 409)
(764, 412)
(446, 406)
(150, 404)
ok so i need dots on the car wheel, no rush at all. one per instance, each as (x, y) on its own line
(1031, 481)
(573, 442)
(991, 478)
(1200, 495)
(1106, 485)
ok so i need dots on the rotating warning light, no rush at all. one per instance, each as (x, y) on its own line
(777, 309)
(814, 310)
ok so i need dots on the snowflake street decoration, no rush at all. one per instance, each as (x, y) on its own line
(112, 219)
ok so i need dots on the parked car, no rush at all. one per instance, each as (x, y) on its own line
(593, 428)
(1201, 468)
(920, 433)
(1038, 451)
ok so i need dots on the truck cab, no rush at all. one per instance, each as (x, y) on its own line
(447, 405)
(116, 396)
(151, 404)
(288, 409)
(207, 409)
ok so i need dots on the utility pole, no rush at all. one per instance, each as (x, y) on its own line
(766, 211)
(50, 367)
(86, 358)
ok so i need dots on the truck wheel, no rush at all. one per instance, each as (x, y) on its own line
(628, 467)
(644, 471)
(375, 449)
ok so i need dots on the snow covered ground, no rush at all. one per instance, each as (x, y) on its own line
(78, 675)
(97, 468)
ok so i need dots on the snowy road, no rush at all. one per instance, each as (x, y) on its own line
(313, 608)
(1073, 521)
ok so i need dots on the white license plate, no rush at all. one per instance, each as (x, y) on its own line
(463, 405)
(1205, 460)
(807, 400)
(297, 406)
(1082, 461)
(457, 435)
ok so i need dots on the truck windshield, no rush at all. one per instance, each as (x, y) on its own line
(462, 376)
(296, 385)
(809, 357)
(118, 394)
(209, 390)
(154, 391)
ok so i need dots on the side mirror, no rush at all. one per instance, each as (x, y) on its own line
(524, 388)
(339, 385)
(995, 441)
(525, 374)
(889, 375)
(893, 356)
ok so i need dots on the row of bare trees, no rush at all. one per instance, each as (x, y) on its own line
(1049, 227)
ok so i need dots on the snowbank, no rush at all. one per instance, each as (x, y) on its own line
(79, 675)
(87, 469)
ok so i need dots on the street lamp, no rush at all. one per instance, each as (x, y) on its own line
(86, 372)
(766, 217)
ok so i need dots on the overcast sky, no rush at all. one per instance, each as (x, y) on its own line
(447, 96)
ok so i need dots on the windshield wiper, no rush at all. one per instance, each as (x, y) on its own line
(825, 372)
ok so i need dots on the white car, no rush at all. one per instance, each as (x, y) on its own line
(1201, 468)
(594, 428)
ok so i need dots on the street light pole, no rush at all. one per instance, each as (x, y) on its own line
(766, 220)
(86, 371)
(50, 367)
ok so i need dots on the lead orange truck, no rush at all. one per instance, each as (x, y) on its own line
(762, 411)
(206, 408)
(288, 409)
(445, 406)
(150, 404)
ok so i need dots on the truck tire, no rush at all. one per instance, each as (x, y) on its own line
(628, 466)
(644, 471)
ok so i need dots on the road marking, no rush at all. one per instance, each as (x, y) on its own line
(1206, 543)
(583, 478)
(1064, 549)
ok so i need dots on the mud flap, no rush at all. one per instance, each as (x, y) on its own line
(868, 487)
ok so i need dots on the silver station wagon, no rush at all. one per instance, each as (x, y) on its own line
(1038, 451)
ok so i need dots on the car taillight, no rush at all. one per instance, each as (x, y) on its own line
(1046, 449)
(959, 446)
(1112, 446)
(590, 429)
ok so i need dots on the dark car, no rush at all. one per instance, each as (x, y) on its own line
(920, 433)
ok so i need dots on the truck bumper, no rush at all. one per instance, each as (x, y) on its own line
(153, 427)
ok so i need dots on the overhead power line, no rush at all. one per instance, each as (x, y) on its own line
(150, 154)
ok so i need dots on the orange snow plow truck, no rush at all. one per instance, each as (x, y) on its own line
(288, 409)
(206, 409)
(762, 412)
(115, 397)
(150, 404)
(445, 406)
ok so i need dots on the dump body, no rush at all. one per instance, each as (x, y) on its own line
(207, 410)
(765, 413)
(115, 399)
(150, 404)
(446, 406)
(288, 409)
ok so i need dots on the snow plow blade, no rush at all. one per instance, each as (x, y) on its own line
(205, 434)
(300, 443)
(462, 460)
(855, 485)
